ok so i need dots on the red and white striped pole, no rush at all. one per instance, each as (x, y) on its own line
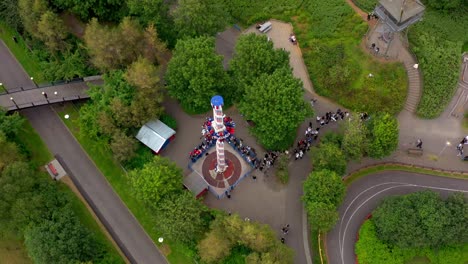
(219, 128)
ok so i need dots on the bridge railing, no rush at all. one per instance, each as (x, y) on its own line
(55, 83)
(47, 101)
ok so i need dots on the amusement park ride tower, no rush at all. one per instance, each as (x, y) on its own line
(219, 131)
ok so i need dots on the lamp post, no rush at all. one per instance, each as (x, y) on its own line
(55, 93)
(446, 145)
(13, 100)
(32, 79)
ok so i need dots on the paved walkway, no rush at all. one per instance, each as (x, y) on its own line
(121, 224)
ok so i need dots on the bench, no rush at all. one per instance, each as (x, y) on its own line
(415, 151)
(265, 27)
(52, 169)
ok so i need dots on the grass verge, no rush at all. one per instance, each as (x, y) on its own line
(394, 167)
(319, 255)
(28, 60)
(40, 155)
(100, 153)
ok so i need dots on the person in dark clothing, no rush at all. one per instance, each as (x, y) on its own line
(419, 143)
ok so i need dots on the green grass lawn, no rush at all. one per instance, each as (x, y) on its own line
(102, 157)
(330, 36)
(40, 155)
(29, 62)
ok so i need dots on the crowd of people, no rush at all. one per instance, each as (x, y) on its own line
(463, 142)
(312, 134)
(209, 136)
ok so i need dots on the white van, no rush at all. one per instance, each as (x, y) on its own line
(265, 27)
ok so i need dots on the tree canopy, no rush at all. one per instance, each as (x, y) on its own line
(61, 239)
(275, 103)
(254, 55)
(324, 190)
(155, 12)
(195, 74)
(125, 102)
(156, 180)
(228, 231)
(106, 10)
(200, 17)
(182, 218)
(383, 135)
(330, 157)
(117, 47)
(421, 220)
(355, 138)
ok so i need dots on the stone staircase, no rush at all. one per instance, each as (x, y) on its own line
(414, 86)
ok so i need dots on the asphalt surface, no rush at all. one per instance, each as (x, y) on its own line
(364, 195)
(125, 229)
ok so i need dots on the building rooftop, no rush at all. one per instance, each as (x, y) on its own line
(154, 134)
(402, 10)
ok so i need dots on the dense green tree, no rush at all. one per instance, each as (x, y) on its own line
(146, 104)
(67, 65)
(10, 124)
(228, 231)
(8, 152)
(16, 182)
(275, 103)
(155, 12)
(322, 216)
(324, 187)
(181, 218)
(419, 220)
(383, 135)
(10, 14)
(117, 47)
(30, 12)
(51, 30)
(156, 180)
(457, 229)
(332, 138)
(194, 18)
(355, 138)
(124, 103)
(330, 157)
(106, 10)
(63, 239)
(123, 147)
(254, 55)
(446, 5)
(324, 190)
(195, 73)
(213, 254)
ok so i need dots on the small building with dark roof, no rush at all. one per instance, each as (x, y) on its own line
(399, 14)
(155, 135)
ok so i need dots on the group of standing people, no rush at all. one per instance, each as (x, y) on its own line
(463, 142)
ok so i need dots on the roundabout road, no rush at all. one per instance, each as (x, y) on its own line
(365, 194)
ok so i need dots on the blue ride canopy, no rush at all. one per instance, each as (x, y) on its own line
(217, 100)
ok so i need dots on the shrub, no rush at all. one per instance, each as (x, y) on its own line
(329, 156)
(282, 173)
(169, 121)
(383, 135)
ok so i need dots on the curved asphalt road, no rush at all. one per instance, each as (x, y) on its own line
(121, 224)
(365, 194)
